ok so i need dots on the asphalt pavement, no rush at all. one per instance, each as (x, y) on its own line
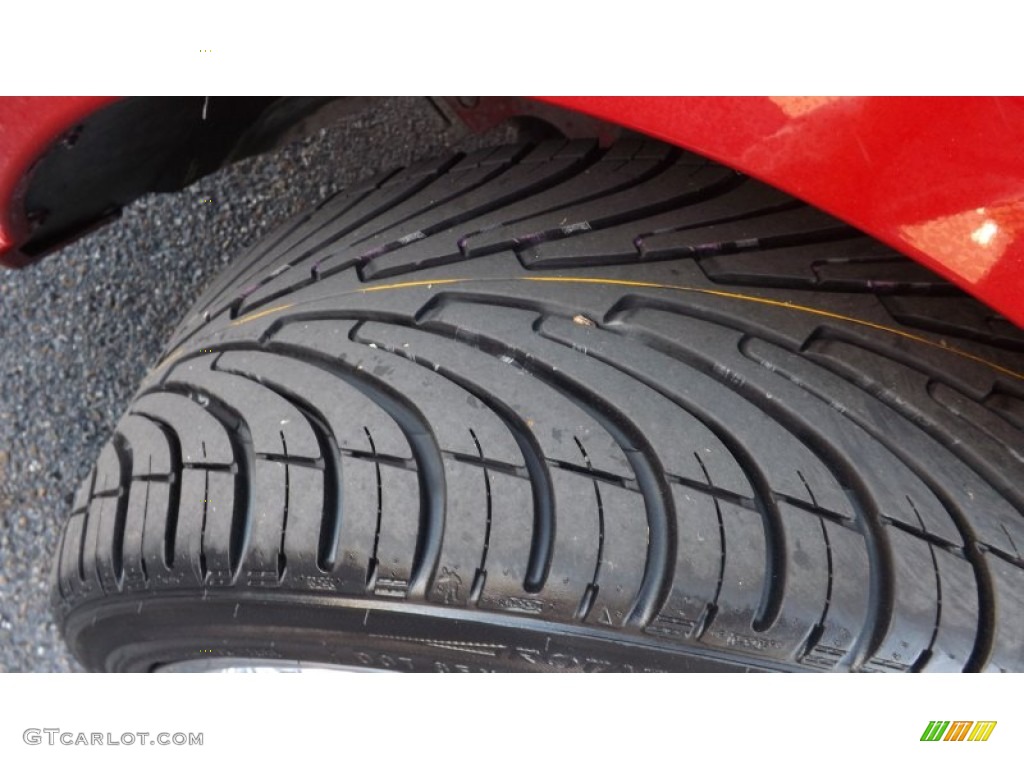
(79, 330)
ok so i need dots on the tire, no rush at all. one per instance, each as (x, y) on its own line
(550, 407)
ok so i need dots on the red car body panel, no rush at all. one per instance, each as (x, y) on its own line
(28, 126)
(940, 179)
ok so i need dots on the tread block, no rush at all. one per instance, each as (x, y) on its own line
(306, 512)
(679, 185)
(743, 580)
(849, 601)
(261, 565)
(512, 530)
(90, 562)
(618, 243)
(623, 555)
(958, 616)
(1009, 407)
(572, 563)
(465, 529)
(980, 418)
(782, 227)
(360, 508)
(914, 615)
(875, 268)
(615, 171)
(72, 583)
(202, 438)
(806, 594)
(276, 426)
(698, 567)
(1008, 640)
(135, 575)
(108, 471)
(220, 521)
(959, 317)
(399, 530)
(150, 449)
(858, 265)
(84, 492)
(350, 414)
(188, 542)
(160, 533)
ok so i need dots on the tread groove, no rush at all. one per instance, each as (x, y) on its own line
(591, 590)
(282, 558)
(371, 571)
(124, 459)
(712, 606)
(480, 577)
(203, 572)
(927, 652)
